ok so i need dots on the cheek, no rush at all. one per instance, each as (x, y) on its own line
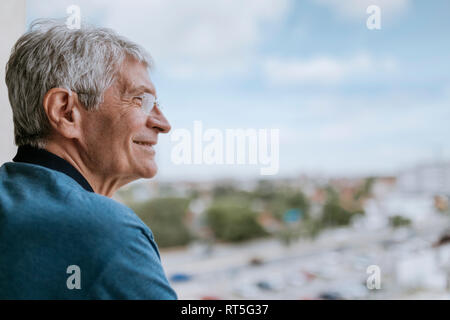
(129, 128)
(111, 138)
(119, 131)
(134, 124)
(102, 137)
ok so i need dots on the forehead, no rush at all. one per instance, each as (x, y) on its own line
(134, 78)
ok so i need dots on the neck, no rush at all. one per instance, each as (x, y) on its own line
(103, 183)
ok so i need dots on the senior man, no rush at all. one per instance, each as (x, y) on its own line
(85, 122)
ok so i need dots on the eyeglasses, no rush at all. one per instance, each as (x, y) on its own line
(147, 102)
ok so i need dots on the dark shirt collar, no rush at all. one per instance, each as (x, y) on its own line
(41, 157)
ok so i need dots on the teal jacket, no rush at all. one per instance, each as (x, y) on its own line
(60, 240)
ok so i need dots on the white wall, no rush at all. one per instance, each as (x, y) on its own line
(12, 25)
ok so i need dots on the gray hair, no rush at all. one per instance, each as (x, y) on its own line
(50, 55)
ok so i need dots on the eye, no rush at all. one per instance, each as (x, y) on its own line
(138, 100)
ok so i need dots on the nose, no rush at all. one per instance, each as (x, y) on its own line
(157, 120)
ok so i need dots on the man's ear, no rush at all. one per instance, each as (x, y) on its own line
(62, 109)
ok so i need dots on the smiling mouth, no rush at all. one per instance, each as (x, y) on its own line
(146, 145)
(143, 143)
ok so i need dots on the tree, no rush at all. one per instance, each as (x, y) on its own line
(231, 222)
(333, 214)
(399, 221)
(167, 218)
(366, 189)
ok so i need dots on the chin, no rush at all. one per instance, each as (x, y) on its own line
(149, 171)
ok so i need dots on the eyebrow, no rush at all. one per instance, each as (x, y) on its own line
(142, 88)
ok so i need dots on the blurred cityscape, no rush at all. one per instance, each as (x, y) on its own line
(304, 237)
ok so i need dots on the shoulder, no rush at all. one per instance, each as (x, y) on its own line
(105, 219)
(106, 213)
(55, 199)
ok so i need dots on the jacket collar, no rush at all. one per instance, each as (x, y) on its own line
(42, 157)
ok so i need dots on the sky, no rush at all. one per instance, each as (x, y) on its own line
(346, 100)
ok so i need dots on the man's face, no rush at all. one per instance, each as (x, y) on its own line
(120, 136)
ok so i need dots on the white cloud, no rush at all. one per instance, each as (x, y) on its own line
(197, 36)
(356, 9)
(186, 38)
(363, 136)
(322, 69)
